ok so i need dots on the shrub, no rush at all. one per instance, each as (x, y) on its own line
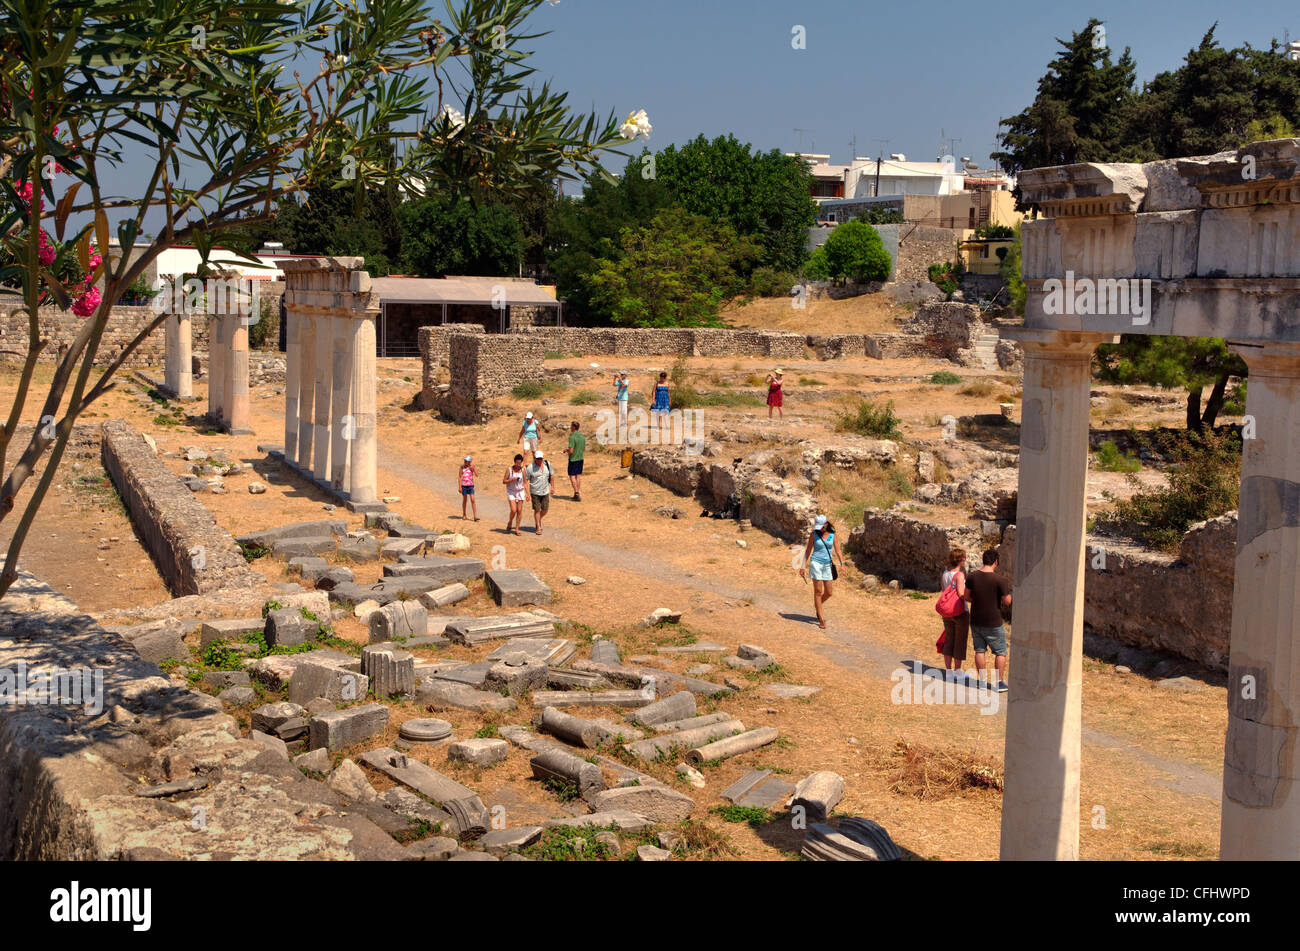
(1203, 481)
(947, 276)
(770, 282)
(585, 398)
(867, 419)
(944, 378)
(1110, 459)
(532, 389)
(855, 252)
(265, 333)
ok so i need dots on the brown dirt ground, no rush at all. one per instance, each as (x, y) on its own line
(1151, 761)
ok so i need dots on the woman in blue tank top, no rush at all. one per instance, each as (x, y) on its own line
(820, 556)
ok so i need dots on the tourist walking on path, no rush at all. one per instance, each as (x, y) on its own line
(774, 393)
(541, 479)
(988, 593)
(516, 492)
(528, 434)
(577, 448)
(468, 473)
(659, 402)
(956, 629)
(820, 556)
(621, 386)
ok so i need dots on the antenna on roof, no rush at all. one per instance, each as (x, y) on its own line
(801, 132)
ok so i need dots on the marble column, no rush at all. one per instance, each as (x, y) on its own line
(364, 445)
(178, 374)
(307, 389)
(217, 355)
(341, 402)
(324, 369)
(1040, 800)
(238, 421)
(1261, 775)
(291, 382)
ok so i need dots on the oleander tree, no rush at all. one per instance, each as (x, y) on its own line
(222, 108)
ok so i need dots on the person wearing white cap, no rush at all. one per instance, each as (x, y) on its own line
(468, 473)
(529, 435)
(819, 557)
(540, 479)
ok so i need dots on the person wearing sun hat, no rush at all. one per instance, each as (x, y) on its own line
(540, 479)
(529, 435)
(774, 393)
(468, 473)
(819, 558)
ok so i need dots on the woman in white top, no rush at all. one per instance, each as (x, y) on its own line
(516, 492)
(956, 630)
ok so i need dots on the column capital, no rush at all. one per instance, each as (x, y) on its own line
(1059, 343)
(1272, 358)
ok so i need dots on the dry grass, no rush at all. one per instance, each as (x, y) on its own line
(870, 313)
(847, 493)
(928, 774)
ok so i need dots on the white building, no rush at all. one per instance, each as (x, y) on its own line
(895, 176)
(185, 259)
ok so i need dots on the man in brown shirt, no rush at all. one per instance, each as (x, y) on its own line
(988, 593)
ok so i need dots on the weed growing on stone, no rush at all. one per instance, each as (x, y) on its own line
(868, 419)
(563, 789)
(569, 844)
(944, 378)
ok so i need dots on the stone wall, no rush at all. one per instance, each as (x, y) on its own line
(670, 342)
(946, 327)
(483, 366)
(1148, 599)
(171, 523)
(60, 327)
(69, 777)
(435, 352)
(1145, 599)
(920, 247)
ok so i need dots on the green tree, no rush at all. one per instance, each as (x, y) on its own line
(461, 238)
(674, 273)
(1081, 112)
(1190, 363)
(762, 195)
(854, 252)
(230, 126)
(583, 230)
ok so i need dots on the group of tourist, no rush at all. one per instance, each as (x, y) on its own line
(533, 481)
(974, 604)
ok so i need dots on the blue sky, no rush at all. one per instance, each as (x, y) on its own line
(903, 71)
(898, 71)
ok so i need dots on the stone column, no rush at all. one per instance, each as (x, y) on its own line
(1040, 801)
(291, 383)
(1261, 775)
(307, 389)
(365, 448)
(238, 421)
(178, 374)
(341, 402)
(322, 420)
(217, 355)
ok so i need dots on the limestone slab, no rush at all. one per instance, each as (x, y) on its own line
(411, 772)
(514, 587)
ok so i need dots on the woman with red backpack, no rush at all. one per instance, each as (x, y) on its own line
(952, 608)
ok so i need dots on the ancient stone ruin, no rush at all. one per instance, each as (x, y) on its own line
(329, 392)
(1206, 246)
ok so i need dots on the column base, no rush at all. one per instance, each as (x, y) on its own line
(366, 508)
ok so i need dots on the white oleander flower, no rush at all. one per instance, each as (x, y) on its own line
(454, 118)
(339, 61)
(637, 123)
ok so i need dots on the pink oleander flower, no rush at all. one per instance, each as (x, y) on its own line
(85, 305)
(46, 252)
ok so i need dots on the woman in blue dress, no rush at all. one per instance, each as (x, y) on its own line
(659, 401)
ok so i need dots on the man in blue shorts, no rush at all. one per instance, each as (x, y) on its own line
(988, 593)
